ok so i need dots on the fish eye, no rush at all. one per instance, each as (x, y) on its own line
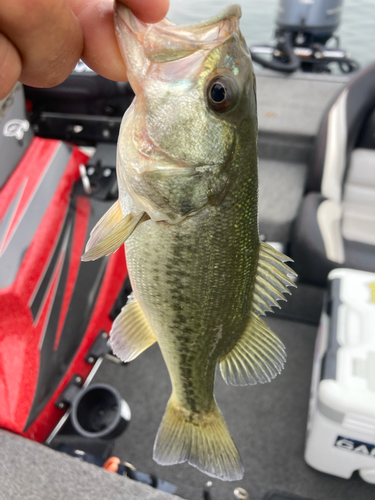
(222, 93)
(218, 93)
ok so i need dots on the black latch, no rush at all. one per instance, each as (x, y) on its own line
(70, 392)
(101, 172)
(99, 349)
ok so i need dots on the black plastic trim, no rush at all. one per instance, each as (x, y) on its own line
(329, 361)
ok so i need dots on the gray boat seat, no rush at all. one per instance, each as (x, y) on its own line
(335, 226)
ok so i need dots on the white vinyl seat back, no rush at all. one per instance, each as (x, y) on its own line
(335, 154)
(336, 223)
(329, 214)
(358, 215)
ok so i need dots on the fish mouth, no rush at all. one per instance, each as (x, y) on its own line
(142, 44)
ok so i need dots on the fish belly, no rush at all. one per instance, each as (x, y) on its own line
(193, 282)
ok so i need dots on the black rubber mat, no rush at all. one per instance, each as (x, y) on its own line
(303, 305)
(280, 495)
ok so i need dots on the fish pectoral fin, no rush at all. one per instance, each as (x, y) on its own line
(131, 334)
(203, 440)
(111, 232)
(258, 356)
(272, 280)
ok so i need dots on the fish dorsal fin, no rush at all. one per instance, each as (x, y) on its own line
(272, 280)
(111, 232)
(258, 356)
(131, 334)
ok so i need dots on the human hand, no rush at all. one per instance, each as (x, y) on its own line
(42, 40)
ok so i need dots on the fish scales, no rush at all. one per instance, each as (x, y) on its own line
(201, 288)
(187, 212)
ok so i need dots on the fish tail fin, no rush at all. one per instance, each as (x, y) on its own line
(202, 441)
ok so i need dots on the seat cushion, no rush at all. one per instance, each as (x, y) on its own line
(358, 223)
(309, 247)
(360, 182)
(358, 218)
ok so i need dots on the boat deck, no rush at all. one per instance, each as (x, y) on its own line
(267, 422)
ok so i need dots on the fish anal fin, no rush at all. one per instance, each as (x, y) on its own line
(111, 232)
(258, 356)
(131, 334)
(203, 440)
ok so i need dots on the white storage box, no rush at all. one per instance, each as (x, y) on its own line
(341, 424)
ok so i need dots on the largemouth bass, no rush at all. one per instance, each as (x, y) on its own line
(187, 210)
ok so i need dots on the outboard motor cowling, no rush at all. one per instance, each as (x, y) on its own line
(315, 18)
(303, 29)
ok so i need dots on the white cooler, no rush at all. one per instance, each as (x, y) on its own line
(341, 424)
